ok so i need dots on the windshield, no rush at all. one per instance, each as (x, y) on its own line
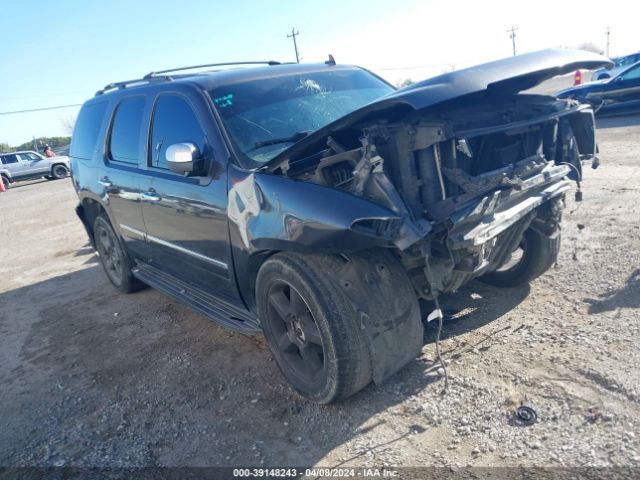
(266, 116)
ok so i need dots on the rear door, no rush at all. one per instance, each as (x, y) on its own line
(185, 217)
(14, 165)
(119, 177)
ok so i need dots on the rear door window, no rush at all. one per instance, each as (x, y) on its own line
(124, 145)
(7, 159)
(174, 121)
(87, 129)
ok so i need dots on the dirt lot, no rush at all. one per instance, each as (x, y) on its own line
(91, 377)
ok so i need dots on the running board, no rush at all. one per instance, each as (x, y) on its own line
(216, 309)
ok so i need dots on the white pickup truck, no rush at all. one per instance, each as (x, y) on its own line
(28, 164)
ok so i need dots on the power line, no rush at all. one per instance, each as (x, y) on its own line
(295, 45)
(41, 109)
(512, 36)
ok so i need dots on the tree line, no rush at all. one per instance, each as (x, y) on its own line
(40, 142)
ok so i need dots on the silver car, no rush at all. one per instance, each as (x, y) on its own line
(28, 164)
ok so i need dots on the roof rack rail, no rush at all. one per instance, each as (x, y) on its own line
(154, 74)
(132, 83)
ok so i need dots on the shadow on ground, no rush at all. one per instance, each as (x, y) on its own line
(627, 296)
(97, 378)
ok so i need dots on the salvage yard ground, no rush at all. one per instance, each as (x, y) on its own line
(92, 377)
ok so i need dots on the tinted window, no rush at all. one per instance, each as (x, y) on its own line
(85, 133)
(125, 132)
(173, 122)
(10, 159)
(632, 74)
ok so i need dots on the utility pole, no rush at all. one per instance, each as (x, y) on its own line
(295, 45)
(608, 34)
(512, 36)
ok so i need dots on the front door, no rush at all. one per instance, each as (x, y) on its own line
(624, 91)
(185, 217)
(35, 164)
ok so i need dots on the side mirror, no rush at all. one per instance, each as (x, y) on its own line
(184, 158)
(619, 79)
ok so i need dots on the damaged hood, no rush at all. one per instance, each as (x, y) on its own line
(502, 77)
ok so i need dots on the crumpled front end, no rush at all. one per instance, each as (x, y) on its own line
(465, 182)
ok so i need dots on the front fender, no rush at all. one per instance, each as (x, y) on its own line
(271, 212)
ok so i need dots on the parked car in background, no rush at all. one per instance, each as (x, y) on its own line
(614, 96)
(619, 64)
(29, 164)
(322, 207)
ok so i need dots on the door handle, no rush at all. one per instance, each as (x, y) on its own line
(150, 197)
(105, 182)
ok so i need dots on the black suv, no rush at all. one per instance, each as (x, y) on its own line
(320, 206)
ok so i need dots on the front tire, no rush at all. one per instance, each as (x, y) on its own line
(59, 172)
(311, 327)
(536, 253)
(113, 257)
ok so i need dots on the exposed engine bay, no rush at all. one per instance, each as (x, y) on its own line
(467, 180)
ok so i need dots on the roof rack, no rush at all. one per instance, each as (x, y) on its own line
(132, 83)
(159, 76)
(154, 74)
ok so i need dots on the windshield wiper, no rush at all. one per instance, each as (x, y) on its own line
(274, 141)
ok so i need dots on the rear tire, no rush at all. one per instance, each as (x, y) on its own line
(113, 257)
(311, 327)
(538, 253)
(5, 181)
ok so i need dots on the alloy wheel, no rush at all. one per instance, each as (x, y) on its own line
(298, 337)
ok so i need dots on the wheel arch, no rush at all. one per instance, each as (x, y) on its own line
(54, 165)
(88, 210)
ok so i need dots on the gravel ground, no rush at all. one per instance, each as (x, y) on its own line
(91, 377)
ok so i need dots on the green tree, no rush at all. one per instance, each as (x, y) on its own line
(54, 142)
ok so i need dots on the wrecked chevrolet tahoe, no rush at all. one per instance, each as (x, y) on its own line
(320, 206)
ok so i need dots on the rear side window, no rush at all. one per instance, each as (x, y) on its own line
(125, 132)
(174, 121)
(10, 159)
(85, 134)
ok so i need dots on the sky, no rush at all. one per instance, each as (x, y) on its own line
(60, 53)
